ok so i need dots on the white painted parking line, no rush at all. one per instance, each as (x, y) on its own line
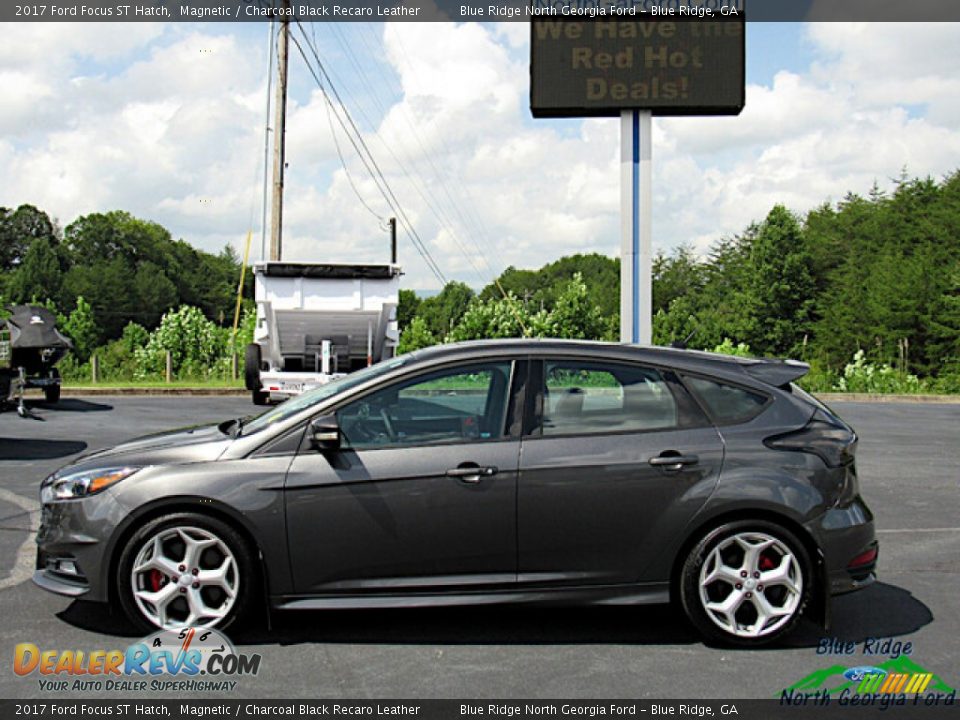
(918, 530)
(23, 563)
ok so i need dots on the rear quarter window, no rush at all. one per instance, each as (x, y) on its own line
(727, 404)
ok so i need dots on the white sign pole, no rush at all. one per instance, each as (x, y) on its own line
(636, 227)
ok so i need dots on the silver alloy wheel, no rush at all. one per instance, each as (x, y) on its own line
(751, 584)
(185, 576)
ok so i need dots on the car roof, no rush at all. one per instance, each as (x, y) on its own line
(691, 360)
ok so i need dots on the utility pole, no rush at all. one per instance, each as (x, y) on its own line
(393, 240)
(279, 132)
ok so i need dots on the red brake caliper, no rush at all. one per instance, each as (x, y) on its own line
(766, 563)
(156, 579)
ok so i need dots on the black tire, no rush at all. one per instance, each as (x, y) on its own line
(51, 393)
(247, 579)
(261, 398)
(777, 595)
(251, 367)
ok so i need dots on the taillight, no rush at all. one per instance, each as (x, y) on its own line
(867, 557)
(825, 436)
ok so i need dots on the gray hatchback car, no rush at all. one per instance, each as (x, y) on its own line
(498, 471)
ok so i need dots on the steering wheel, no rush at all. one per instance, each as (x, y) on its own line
(388, 424)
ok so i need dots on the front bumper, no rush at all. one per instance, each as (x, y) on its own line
(72, 546)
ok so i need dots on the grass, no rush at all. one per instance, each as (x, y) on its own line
(149, 384)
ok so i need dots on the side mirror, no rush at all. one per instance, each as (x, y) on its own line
(325, 433)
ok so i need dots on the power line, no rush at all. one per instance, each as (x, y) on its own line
(369, 161)
(363, 151)
(434, 207)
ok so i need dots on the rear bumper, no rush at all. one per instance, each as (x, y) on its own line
(287, 384)
(43, 382)
(844, 534)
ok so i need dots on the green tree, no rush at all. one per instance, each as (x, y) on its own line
(504, 318)
(132, 270)
(155, 292)
(81, 327)
(416, 335)
(38, 275)
(19, 229)
(407, 308)
(444, 310)
(678, 323)
(574, 314)
(135, 336)
(779, 286)
(540, 289)
(676, 275)
(943, 321)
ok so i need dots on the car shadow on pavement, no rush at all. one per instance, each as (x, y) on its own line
(70, 405)
(482, 625)
(881, 610)
(27, 449)
(99, 618)
(486, 625)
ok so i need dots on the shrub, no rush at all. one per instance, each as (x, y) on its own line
(728, 348)
(195, 345)
(861, 376)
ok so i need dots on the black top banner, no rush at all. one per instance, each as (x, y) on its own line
(471, 10)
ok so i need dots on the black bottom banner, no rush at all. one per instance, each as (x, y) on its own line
(887, 706)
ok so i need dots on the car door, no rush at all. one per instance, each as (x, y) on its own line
(616, 461)
(422, 493)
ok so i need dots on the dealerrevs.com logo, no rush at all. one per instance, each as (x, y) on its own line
(186, 660)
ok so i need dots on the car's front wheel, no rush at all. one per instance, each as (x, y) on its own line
(746, 583)
(185, 569)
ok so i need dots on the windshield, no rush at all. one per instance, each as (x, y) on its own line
(313, 397)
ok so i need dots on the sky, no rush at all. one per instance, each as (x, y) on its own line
(168, 123)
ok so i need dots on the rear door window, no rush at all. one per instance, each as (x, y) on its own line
(588, 398)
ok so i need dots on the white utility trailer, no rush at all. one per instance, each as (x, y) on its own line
(318, 321)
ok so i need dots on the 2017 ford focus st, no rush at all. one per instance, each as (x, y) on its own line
(497, 471)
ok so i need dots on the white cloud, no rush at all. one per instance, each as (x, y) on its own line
(162, 131)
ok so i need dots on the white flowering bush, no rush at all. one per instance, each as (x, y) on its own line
(864, 377)
(195, 345)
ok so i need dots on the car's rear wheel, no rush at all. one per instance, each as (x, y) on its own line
(746, 583)
(185, 569)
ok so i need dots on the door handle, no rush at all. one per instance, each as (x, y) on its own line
(671, 460)
(471, 473)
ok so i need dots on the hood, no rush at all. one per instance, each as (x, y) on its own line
(186, 445)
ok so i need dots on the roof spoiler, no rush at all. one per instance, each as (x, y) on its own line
(777, 372)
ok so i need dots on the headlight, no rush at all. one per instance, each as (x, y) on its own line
(80, 484)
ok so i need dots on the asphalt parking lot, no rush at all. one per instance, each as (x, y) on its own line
(909, 465)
